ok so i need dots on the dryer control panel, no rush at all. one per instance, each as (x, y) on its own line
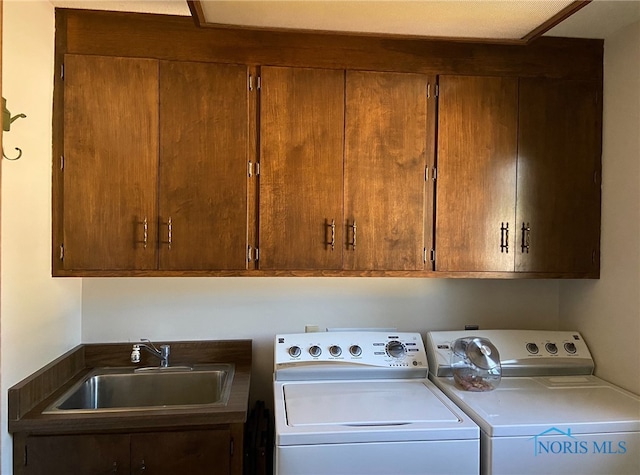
(350, 354)
(522, 352)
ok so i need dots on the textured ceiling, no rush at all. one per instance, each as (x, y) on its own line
(469, 18)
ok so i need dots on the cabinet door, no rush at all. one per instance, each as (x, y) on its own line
(559, 146)
(385, 159)
(191, 452)
(476, 181)
(77, 454)
(110, 163)
(203, 166)
(301, 160)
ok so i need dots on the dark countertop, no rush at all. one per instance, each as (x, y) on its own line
(34, 394)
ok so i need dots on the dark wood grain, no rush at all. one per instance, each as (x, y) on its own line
(76, 454)
(30, 397)
(198, 452)
(26, 394)
(301, 156)
(343, 273)
(57, 184)
(476, 182)
(110, 162)
(385, 160)
(177, 38)
(559, 149)
(204, 138)
(182, 352)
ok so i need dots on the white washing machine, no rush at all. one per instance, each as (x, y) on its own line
(360, 403)
(549, 414)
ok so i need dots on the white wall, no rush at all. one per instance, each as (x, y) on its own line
(258, 308)
(607, 311)
(40, 315)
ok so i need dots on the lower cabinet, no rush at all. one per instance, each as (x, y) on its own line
(208, 451)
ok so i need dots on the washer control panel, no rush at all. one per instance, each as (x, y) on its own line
(374, 349)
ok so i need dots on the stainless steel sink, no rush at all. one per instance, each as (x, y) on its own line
(123, 389)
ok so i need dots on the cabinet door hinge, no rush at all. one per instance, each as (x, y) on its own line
(231, 447)
(25, 455)
(254, 169)
(437, 90)
(252, 254)
(432, 255)
(434, 174)
(254, 83)
(62, 252)
(426, 173)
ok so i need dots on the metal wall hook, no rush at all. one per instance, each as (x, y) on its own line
(7, 120)
(12, 159)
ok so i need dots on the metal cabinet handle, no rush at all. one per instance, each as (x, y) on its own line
(145, 239)
(332, 243)
(114, 469)
(143, 467)
(526, 233)
(504, 237)
(355, 230)
(169, 233)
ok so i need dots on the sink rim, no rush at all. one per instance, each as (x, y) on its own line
(228, 368)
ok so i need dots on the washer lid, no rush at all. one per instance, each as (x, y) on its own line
(364, 404)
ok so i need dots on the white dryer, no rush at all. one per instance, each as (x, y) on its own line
(360, 403)
(549, 414)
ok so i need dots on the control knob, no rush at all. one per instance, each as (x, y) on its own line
(295, 351)
(355, 350)
(335, 350)
(551, 348)
(315, 351)
(395, 349)
(570, 348)
(532, 348)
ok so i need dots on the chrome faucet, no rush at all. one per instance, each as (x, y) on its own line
(162, 353)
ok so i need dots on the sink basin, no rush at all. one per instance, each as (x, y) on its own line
(125, 389)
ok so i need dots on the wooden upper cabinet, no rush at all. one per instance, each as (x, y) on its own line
(301, 177)
(518, 184)
(559, 146)
(476, 180)
(110, 164)
(155, 165)
(203, 166)
(385, 160)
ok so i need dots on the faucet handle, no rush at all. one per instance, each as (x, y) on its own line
(135, 354)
